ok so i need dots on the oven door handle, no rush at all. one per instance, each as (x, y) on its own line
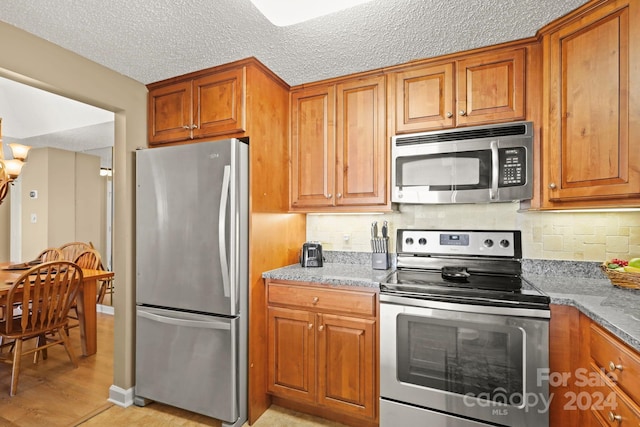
(495, 171)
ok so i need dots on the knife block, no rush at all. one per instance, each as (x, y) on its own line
(380, 260)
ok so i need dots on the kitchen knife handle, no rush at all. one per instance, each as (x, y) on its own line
(222, 222)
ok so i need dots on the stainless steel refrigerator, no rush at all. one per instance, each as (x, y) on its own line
(192, 278)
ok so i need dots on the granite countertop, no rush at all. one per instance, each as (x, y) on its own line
(331, 274)
(578, 284)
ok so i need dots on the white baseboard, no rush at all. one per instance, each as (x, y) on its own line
(120, 396)
(106, 309)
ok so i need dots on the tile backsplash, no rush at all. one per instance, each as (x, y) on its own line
(577, 236)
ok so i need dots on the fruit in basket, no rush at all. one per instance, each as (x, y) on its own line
(617, 264)
(630, 269)
(634, 262)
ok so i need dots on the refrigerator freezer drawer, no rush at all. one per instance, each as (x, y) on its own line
(188, 360)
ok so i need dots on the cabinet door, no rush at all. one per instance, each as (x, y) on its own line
(218, 103)
(424, 99)
(564, 356)
(313, 147)
(169, 112)
(592, 149)
(346, 364)
(291, 360)
(361, 144)
(491, 87)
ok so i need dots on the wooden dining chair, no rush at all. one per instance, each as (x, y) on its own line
(48, 289)
(71, 250)
(50, 254)
(106, 285)
(89, 259)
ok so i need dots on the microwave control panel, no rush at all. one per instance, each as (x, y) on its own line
(512, 164)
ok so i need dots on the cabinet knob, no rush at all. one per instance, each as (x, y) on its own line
(310, 326)
(614, 417)
(329, 196)
(315, 300)
(449, 114)
(613, 367)
(339, 195)
(321, 328)
(187, 127)
(552, 186)
(194, 126)
(463, 113)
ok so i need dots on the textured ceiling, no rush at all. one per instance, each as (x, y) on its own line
(154, 40)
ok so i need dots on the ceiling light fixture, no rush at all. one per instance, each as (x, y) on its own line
(10, 169)
(289, 12)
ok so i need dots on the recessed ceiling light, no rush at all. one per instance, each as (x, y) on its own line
(289, 12)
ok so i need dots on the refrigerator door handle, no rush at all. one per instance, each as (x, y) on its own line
(208, 324)
(222, 220)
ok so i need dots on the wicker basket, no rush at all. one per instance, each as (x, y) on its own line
(622, 279)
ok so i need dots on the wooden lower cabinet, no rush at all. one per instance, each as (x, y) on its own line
(321, 353)
(593, 375)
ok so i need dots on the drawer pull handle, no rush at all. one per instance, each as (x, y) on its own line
(315, 300)
(613, 367)
(613, 417)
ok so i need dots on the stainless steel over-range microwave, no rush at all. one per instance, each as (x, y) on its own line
(477, 164)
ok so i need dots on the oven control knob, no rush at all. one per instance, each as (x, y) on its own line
(409, 241)
(504, 243)
(422, 241)
(488, 243)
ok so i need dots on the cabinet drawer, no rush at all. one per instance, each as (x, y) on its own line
(611, 407)
(351, 302)
(608, 353)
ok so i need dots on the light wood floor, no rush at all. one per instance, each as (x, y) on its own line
(53, 393)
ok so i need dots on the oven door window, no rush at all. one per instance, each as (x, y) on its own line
(466, 170)
(484, 361)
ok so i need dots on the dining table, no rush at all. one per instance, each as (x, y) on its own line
(86, 300)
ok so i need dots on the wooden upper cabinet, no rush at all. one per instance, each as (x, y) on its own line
(218, 103)
(312, 147)
(491, 87)
(199, 106)
(475, 89)
(361, 144)
(338, 146)
(592, 135)
(424, 98)
(170, 113)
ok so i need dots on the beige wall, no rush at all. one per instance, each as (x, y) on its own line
(34, 61)
(5, 237)
(69, 203)
(581, 236)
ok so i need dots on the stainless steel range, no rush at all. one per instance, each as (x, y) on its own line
(464, 338)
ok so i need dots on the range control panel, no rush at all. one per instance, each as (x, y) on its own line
(495, 243)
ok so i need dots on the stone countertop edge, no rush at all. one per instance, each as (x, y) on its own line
(573, 283)
(331, 274)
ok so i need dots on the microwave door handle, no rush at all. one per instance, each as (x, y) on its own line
(495, 171)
